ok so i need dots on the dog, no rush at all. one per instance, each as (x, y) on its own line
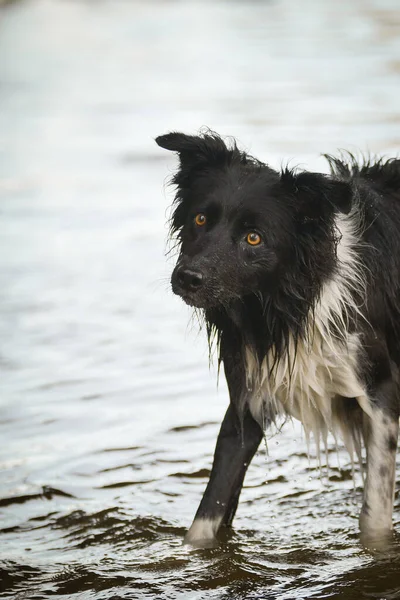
(297, 276)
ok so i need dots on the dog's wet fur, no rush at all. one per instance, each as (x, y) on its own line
(297, 275)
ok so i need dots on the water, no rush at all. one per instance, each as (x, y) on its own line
(109, 413)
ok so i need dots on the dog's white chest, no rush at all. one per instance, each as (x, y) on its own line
(304, 383)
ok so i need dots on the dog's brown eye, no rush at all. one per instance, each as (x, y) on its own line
(253, 238)
(200, 219)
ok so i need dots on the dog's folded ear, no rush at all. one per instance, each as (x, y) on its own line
(197, 150)
(317, 193)
(197, 154)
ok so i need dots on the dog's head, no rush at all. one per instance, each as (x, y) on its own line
(238, 221)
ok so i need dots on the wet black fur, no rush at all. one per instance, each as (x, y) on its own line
(260, 297)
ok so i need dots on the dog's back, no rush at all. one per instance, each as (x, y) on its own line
(377, 186)
(381, 175)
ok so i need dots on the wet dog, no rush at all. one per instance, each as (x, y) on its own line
(298, 278)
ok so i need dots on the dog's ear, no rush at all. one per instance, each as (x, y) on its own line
(316, 194)
(197, 151)
(197, 154)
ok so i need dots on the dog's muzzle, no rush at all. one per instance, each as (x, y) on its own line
(186, 281)
(189, 284)
(189, 280)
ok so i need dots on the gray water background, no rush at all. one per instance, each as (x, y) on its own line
(108, 410)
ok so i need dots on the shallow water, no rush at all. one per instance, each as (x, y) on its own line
(109, 413)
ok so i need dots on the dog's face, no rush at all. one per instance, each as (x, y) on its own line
(234, 236)
(237, 221)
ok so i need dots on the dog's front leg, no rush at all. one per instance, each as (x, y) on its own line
(381, 417)
(237, 443)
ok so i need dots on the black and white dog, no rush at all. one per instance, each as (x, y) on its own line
(298, 277)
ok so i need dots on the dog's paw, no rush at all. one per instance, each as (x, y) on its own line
(203, 533)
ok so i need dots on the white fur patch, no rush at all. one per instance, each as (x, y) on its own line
(203, 531)
(307, 380)
(379, 487)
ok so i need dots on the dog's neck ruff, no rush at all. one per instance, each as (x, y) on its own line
(322, 365)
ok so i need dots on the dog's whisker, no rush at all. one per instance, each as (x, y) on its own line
(162, 282)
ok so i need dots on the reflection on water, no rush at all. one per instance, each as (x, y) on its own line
(108, 411)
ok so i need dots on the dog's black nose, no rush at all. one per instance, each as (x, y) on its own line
(189, 280)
